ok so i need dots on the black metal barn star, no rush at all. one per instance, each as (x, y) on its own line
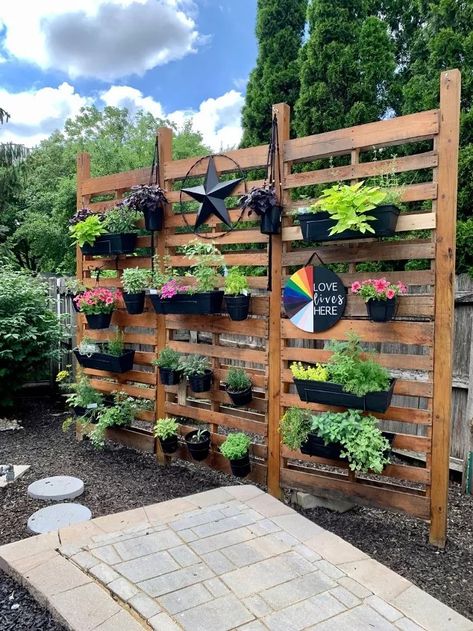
(212, 196)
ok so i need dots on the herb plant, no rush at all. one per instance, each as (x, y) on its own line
(378, 289)
(82, 394)
(135, 280)
(194, 365)
(120, 220)
(166, 428)
(116, 345)
(236, 283)
(74, 286)
(238, 380)
(87, 231)
(205, 259)
(235, 446)
(259, 200)
(311, 373)
(121, 413)
(294, 427)
(168, 358)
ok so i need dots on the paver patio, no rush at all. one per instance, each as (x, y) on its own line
(230, 558)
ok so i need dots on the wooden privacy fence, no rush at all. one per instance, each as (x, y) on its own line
(266, 343)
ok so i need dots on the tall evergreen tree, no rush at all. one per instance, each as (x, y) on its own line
(347, 66)
(279, 30)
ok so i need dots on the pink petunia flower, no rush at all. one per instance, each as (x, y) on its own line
(355, 287)
(390, 294)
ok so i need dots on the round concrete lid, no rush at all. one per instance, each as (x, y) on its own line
(58, 487)
(57, 516)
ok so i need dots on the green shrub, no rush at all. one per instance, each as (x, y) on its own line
(30, 332)
(166, 427)
(294, 427)
(237, 380)
(235, 446)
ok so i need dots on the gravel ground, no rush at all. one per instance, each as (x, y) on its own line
(119, 479)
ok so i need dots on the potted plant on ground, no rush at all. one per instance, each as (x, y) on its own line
(263, 202)
(238, 386)
(348, 379)
(150, 200)
(111, 233)
(198, 443)
(167, 361)
(236, 448)
(237, 297)
(197, 370)
(73, 288)
(110, 356)
(167, 430)
(134, 283)
(98, 305)
(380, 296)
(348, 211)
(121, 413)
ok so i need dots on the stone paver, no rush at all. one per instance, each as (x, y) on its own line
(56, 488)
(52, 518)
(229, 558)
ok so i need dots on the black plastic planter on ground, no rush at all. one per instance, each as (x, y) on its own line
(381, 310)
(201, 383)
(189, 304)
(241, 467)
(237, 307)
(169, 445)
(169, 377)
(135, 303)
(104, 361)
(111, 244)
(240, 398)
(99, 320)
(198, 450)
(317, 226)
(271, 221)
(329, 393)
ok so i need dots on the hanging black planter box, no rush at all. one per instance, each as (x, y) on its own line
(111, 244)
(109, 363)
(169, 376)
(240, 398)
(198, 450)
(154, 217)
(317, 226)
(271, 221)
(238, 307)
(381, 310)
(241, 467)
(315, 446)
(135, 303)
(328, 393)
(98, 320)
(189, 304)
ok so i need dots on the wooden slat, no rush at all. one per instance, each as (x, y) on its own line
(209, 416)
(133, 391)
(223, 352)
(235, 236)
(217, 324)
(246, 258)
(110, 183)
(132, 438)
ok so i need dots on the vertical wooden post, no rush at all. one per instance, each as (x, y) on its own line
(83, 173)
(164, 135)
(447, 174)
(283, 114)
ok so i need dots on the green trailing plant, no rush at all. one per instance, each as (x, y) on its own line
(310, 373)
(87, 231)
(204, 260)
(294, 427)
(121, 220)
(236, 283)
(79, 393)
(194, 365)
(135, 280)
(122, 413)
(363, 444)
(116, 345)
(235, 446)
(238, 380)
(166, 428)
(168, 358)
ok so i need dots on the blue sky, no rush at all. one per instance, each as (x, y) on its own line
(175, 58)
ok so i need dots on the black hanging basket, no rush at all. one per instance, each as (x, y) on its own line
(328, 393)
(154, 217)
(316, 226)
(189, 304)
(104, 361)
(201, 383)
(199, 451)
(111, 244)
(241, 398)
(169, 376)
(271, 221)
(238, 307)
(169, 445)
(241, 467)
(135, 303)
(99, 320)
(381, 310)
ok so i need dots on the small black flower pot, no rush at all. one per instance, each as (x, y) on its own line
(104, 361)
(240, 398)
(111, 244)
(271, 221)
(99, 320)
(381, 310)
(154, 217)
(238, 307)
(199, 451)
(169, 445)
(135, 303)
(329, 393)
(315, 446)
(317, 226)
(241, 467)
(169, 376)
(189, 304)
(201, 383)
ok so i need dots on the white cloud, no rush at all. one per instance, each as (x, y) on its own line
(105, 39)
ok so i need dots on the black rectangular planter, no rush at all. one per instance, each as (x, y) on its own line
(329, 393)
(110, 363)
(189, 304)
(315, 446)
(111, 244)
(317, 226)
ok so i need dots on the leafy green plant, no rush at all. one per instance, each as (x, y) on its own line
(166, 427)
(121, 220)
(311, 373)
(121, 413)
(163, 271)
(87, 231)
(144, 197)
(236, 283)
(294, 427)
(364, 446)
(168, 358)
(74, 286)
(205, 259)
(82, 393)
(116, 345)
(349, 205)
(200, 435)
(135, 280)
(238, 380)
(235, 446)
(193, 365)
